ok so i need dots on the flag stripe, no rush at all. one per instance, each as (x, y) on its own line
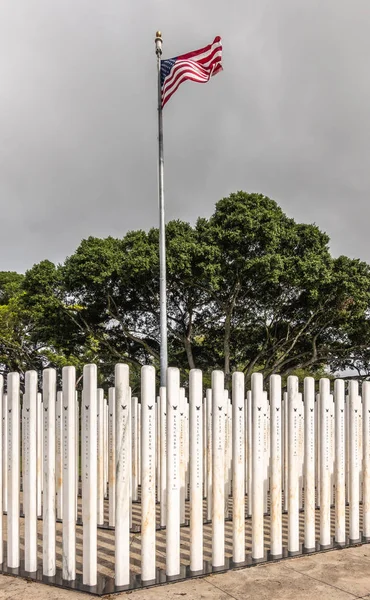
(182, 68)
(198, 54)
(204, 62)
(198, 66)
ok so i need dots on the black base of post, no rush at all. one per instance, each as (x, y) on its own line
(106, 585)
(195, 573)
(355, 542)
(258, 561)
(308, 550)
(296, 552)
(274, 556)
(219, 569)
(339, 545)
(149, 582)
(325, 546)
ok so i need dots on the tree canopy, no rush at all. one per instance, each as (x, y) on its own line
(248, 289)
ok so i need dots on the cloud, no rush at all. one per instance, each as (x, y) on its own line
(288, 117)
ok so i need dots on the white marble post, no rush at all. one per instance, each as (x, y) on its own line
(59, 454)
(23, 446)
(5, 451)
(139, 444)
(204, 416)
(229, 450)
(360, 445)
(266, 433)
(148, 480)
(238, 463)
(366, 460)
(89, 433)
(276, 548)
(182, 455)
(158, 447)
(332, 448)
(112, 456)
(209, 452)
(325, 479)
(130, 454)
(257, 466)
(318, 447)
(29, 471)
(249, 429)
(39, 453)
(347, 437)
(100, 463)
(300, 449)
(134, 449)
(173, 473)
(13, 467)
(2, 474)
(196, 469)
(49, 512)
(286, 451)
(163, 442)
(187, 452)
(246, 453)
(293, 468)
(282, 447)
(123, 470)
(69, 475)
(218, 458)
(226, 454)
(340, 476)
(309, 465)
(77, 455)
(354, 480)
(105, 448)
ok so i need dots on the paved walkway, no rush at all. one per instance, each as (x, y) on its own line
(336, 575)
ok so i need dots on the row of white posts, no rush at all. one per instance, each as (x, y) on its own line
(269, 452)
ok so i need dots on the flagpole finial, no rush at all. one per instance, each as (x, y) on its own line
(158, 43)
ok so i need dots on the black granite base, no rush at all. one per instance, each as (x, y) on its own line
(106, 585)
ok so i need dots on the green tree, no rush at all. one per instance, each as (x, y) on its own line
(248, 289)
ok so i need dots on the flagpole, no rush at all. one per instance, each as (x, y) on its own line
(162, 232)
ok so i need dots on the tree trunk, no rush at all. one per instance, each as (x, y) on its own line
(227, 335)
(187, 343)
(227, 349)
(189, 352)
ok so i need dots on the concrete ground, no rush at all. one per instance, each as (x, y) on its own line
(339, 575)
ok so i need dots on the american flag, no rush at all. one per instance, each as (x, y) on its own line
(199, 66)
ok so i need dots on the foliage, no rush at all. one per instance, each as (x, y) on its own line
(248, 289)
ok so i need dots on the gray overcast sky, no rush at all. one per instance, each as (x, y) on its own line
(288, 117)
